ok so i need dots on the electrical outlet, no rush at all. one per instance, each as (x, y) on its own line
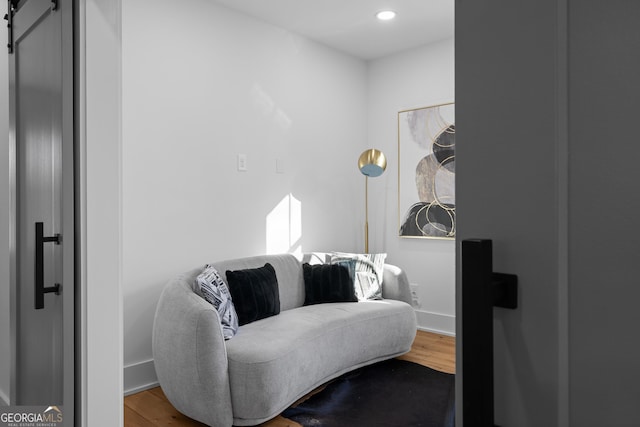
(415, 298)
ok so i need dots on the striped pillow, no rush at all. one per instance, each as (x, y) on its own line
(211, 287)
(368, 273)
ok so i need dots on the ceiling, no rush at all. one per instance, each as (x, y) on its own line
(351, 26)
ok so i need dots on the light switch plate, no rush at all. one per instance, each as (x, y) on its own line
(242, 162)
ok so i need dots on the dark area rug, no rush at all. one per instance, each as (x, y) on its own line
(393, 393)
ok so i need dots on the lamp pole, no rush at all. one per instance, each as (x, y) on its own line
(372, 163)
(366, 214)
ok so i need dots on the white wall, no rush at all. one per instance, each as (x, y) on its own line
(202, 84)
(417, 78)
(99, 109)
(5, 350)
(100, 196)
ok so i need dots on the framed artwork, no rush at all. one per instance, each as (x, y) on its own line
(426, 172)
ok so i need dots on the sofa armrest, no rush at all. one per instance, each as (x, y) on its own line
(395, 284)
(190, 354)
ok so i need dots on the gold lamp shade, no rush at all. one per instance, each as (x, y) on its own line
(372, 162)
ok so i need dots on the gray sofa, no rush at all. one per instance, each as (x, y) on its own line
(272, 362)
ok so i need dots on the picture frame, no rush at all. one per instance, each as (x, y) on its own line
(426, 172)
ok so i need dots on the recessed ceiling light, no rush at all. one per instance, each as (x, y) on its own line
(385, 15)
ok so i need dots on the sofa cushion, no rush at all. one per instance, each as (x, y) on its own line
(254, 292)
(275, 361)
(328, 283)
(210, 286)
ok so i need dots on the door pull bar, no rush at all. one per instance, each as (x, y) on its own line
(40, 289)
(482, 290)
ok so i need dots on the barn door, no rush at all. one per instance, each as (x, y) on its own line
(42, 228)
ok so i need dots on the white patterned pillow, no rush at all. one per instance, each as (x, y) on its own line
(368, 273)
(211, 287)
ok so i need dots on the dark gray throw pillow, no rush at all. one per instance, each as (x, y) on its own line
(254, 292)
(328, 283)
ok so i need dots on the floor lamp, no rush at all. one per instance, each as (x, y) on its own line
(371, 163)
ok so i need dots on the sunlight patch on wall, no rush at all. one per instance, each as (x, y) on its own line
(284, 227)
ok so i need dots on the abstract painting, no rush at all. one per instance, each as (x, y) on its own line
(426, 172)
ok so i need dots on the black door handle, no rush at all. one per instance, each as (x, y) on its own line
(40, 289)
(482, 290)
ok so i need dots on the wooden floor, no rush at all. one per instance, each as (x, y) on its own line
(150, 408)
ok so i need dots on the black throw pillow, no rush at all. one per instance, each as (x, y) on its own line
(254, 293)
(327, 283)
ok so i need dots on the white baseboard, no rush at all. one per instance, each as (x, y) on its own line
(435, 322)
(139, 377)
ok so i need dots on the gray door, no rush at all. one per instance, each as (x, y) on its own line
(41, 122)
